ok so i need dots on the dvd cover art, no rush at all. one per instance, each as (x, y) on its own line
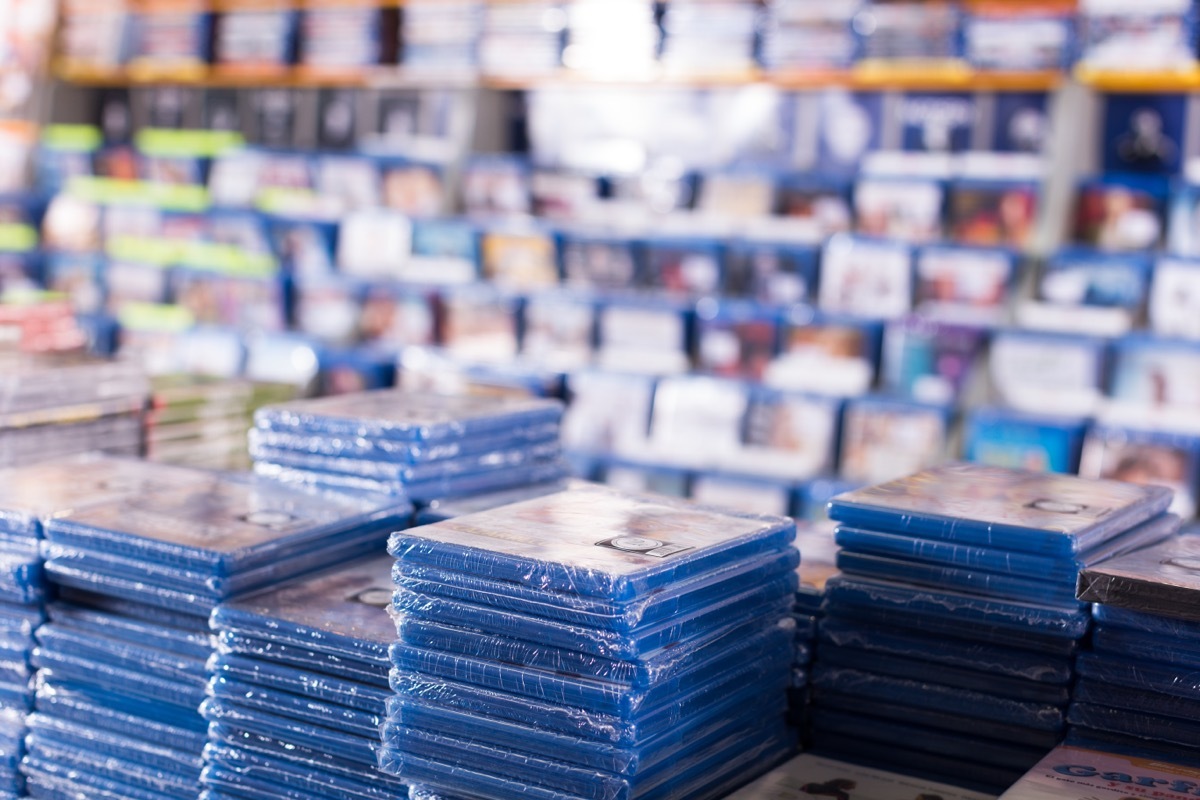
(1107, 280)
(742, 494)
(986, 214)
(1156, 373)
(1145, 457)
(833, 356)
(1123, 216)
(866, 278)
(735, 341)
(608, 412)
(899, 209)
(518, 259)
(1039, 443)
(778, 274)
(1035, 40)
(966, 285)
(592, 263)
(1174, 305)
(789, 435)
(558, 330)
(931, 362)
(883, 440)
(1048, 373)
(1071, 772)
(478, 324)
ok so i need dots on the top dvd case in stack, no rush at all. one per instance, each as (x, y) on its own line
(953, 625)
(122, 662)
(1138, 684)
(298, 689)
(422, 445)
(591, 644)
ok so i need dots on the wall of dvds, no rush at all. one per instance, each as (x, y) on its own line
(765, 250)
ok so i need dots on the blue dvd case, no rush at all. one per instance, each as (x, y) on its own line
(994, 507)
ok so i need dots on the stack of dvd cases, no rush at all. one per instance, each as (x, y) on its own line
(521, 39)
(1138, 683)
(818, 565)
(948, 640)
(426, 446)
(199, 422)
(440, 37)
(29, 495)
(53, 409)
(122, 663)
(709, 37)
(591, 644)
(298, 689)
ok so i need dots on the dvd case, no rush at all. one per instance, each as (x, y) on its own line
(615, 555)
(1047, 514)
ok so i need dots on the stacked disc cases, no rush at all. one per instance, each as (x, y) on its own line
(299, 685)
(817, 566)
(591, 644)
(948, 641)
(29, 495)
(422, 445)
(122, 663)
(1138, 683)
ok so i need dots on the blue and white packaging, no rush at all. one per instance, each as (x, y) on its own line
(1048, 372)
(883, 439)
(1145, 456)
(1084, 291)
(779, 274)
(826, 354)
(645, 336)
(866, 277)
(1000, 437)
(1174, 308)
(969, 285)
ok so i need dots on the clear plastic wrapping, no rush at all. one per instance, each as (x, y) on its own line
(534, 471)
(413, 453)
(410, 712)
(575, 721)
(471, 467)
(50, 780)
(749, 640)
(589, 694)
(1146, 701)
(1028, 618)
(131, 632)
(900, 619)
(149, 660)
(1145, 647)
(335, 717)
(1062, 569)
(135, 719)
(987, 584)
(969, 749)
(408, 416)
(941, 698)
(373, 672)
(921, 670)
(701, 779)
(1142, 675)
(223, 524)
(1159, 580)
(1185, 733)
(932, 718)
(1170, 628)
(305, 683)
(621, 616)
(770, 598)
(281, 751)
(1039, 513)
(995, 660)
(192, 592)
(258, 775)
(351, 748)
(163, 760)
(119, 680)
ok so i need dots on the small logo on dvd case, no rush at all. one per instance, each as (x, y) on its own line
(644, 546)
(375, 596)
(269, 519)
(1058, 506)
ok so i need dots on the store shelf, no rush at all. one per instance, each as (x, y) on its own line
(901, 77)
(1157, 82)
